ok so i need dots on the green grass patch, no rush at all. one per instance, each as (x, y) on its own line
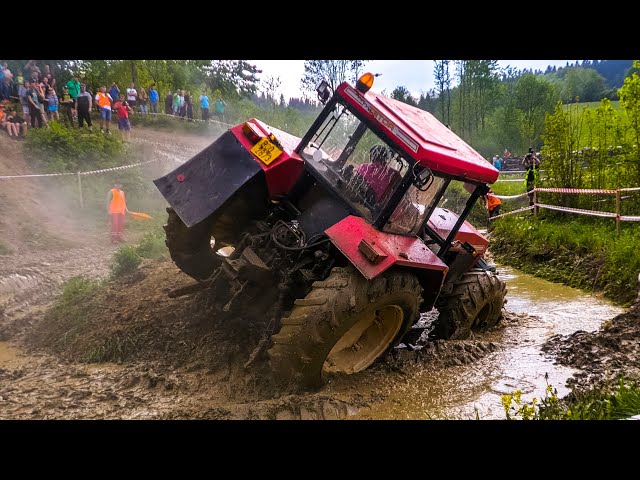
(116, 348)
(580, 252)
(125, 260)
(605, 402)
(152, 246)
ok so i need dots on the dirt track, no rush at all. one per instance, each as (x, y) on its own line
(177, 363)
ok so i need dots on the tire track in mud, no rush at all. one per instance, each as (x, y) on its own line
(28, 282)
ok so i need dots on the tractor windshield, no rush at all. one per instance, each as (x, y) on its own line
(355, 162)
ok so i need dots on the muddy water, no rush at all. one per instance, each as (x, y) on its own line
(538, 309)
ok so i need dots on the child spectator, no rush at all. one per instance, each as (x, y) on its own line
(123, 110)
(19, 124)
(52, 101)
(66, 103)
(492, 203)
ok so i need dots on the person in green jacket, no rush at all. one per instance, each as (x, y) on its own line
(73, 87)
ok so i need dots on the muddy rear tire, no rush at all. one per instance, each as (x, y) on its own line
(190, 248)
(343, 325)
(474, 305)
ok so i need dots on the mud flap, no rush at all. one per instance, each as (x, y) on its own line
(198, 188)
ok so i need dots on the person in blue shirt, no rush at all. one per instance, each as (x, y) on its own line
(114, 92)
(220, 104)
(154, 97)
(204, 106)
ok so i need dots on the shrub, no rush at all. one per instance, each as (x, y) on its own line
(125, 260)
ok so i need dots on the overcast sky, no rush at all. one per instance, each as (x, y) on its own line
(416, 75)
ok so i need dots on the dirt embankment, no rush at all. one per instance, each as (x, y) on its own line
(171, 358)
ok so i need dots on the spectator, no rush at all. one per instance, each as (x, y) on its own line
(1, 83)
(493, 203)
(114, 92)
(117, 207)
(104, 101)
(31, 69)
(220, 106)
(6, 81)
(531, 164)
(5, 123)
(153, 98)
(22, 94)
(506, 154)
(132, 96)
(19, 82)
(83, 107)
(49, 76)
(176, 102)
(183, 105)
(204, 106)
(188, 105)
(74, 90)
(168, 104)
(67, 105)
(52, 105)
(123, 110)
(34, 105)
(142, 100)
(498, 164)
(19, 124)
(42, 88)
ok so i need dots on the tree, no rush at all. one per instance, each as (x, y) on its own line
(534, 96)
(333, 71)
(270, 87)
(630, 102)
(402, 94)
(443, 88)
(234, 78)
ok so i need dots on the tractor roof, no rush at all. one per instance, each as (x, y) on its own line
(430, 142)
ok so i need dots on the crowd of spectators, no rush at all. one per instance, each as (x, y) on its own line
(32, 98)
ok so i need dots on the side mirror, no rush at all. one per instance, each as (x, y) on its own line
(421, 177)
(324, 91)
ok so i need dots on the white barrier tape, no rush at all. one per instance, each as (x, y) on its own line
(629, 218)
(190, 119)
(594, 213)
(510, 180)
(632, 189)
(92, 172)
(123, 167)
(575, 190)
(3, 177)
(523, 209)
(509, 172)
(509, 197)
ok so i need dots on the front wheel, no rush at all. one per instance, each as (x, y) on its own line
(474, 305)
(343, 325)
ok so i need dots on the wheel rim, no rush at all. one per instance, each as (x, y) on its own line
(368, 338)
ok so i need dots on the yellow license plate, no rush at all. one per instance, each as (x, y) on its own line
(266, 151)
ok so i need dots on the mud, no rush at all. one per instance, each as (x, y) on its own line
(128, 351)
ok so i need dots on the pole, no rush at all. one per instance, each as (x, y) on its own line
(535, 203)
(618, 213)
(80, 190)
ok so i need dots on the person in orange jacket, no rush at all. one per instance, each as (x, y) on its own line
(117, 207)
(492, 203)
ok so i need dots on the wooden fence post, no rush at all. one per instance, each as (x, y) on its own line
(80, 190)
(618, 212)
(535, 203)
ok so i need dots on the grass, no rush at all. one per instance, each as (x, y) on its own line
(116, 348)
(580, 252)
(604, 402)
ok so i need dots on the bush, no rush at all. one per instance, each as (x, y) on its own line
(77, 288)
(60, 149)
(125, 260)
(152, 246)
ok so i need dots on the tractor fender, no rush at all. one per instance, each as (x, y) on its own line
(373, 252)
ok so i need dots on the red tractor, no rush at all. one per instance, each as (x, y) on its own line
(335, 243)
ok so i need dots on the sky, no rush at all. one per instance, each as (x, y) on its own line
(416, 75)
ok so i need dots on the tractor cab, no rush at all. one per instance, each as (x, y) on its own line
(397, 167)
